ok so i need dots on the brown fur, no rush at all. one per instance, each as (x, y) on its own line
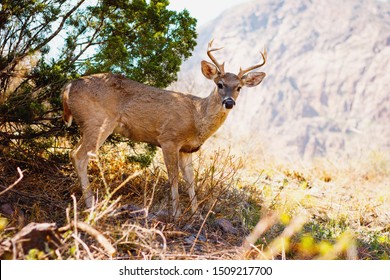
(178, 123)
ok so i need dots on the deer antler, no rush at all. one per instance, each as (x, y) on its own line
(242, 72)
(221, 67)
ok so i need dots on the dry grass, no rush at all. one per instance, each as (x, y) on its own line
(250, 210)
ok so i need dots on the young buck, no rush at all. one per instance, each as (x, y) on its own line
(178, 123)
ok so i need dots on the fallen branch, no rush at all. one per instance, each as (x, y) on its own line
(41, 236)
(103, 241)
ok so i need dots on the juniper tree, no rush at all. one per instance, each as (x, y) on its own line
(45, 43)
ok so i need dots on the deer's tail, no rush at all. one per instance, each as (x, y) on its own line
(67, 115)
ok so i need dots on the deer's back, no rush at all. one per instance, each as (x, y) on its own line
(141, 112)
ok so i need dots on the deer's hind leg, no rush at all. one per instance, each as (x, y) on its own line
(92, 137)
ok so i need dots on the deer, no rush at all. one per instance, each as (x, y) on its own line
(178, 123)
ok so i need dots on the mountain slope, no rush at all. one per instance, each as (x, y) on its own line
(327, 85)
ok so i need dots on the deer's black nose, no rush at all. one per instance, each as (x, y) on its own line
(229, 103)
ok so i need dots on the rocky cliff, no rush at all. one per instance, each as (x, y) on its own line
(328, 74)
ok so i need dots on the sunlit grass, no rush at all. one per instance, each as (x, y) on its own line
(326, 210)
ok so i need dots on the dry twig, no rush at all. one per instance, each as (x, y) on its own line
(15, 183)
(103, 241)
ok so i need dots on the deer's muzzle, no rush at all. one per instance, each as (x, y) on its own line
(228, 102)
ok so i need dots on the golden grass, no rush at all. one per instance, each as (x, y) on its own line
(326, 210)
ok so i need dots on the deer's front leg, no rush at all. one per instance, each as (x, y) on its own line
(171, 159)
(187, 169)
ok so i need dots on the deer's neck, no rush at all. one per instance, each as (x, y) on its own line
(212, 113)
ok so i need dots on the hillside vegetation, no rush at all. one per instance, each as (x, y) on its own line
(251, 208)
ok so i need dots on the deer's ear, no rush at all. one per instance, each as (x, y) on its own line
(253, 79)
(209, 70)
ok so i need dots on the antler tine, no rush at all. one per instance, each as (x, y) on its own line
(263, 55)
(221, 67)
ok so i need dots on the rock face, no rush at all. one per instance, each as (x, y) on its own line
(327, 89)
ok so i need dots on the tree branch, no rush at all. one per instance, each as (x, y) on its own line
(55, 33)
(17, 59)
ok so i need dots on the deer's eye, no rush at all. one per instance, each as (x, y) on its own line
(220, 85)
(238, 89)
